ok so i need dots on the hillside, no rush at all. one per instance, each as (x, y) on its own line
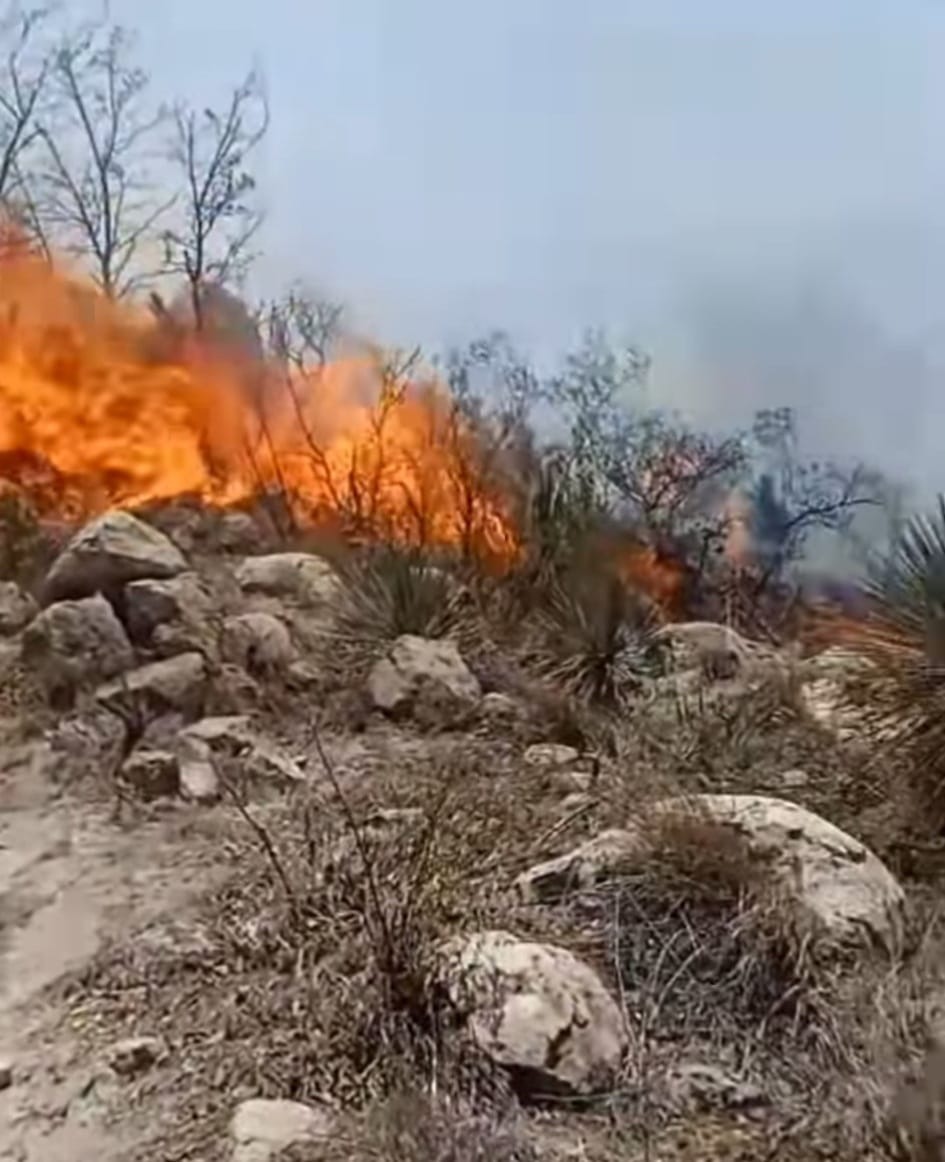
(321, 856)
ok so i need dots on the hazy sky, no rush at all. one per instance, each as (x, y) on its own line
(754, 190)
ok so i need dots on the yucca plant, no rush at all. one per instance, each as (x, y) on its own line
(902, 639)
(390, 590)
(597, 637)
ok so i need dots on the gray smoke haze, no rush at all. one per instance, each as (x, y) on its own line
(752, 191)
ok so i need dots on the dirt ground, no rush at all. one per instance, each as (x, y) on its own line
(71, 881)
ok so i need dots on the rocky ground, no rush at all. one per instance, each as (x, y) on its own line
(269, 889)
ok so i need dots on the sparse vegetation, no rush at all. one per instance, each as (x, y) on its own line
(549, 525)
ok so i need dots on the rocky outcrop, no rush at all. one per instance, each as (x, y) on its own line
(537, 1011)
(74, 645)
(107, 554)
(425, 678)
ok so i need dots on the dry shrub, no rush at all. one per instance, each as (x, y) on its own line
(594, 638)
(390, 590)
(705, 942)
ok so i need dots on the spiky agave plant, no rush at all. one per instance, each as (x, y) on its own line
(902, 639)
(390, 590)
(597, 637)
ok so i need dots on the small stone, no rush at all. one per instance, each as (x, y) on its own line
(569, 781)
(302, 675)
(152, 774)
(550, 754)
(497, 707)
(199, 782)
(6, 1073)
(134, 1055)
(265, 763)
(794, 780)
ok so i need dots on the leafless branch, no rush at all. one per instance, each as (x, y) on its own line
(95, 189)
(23, 82)
(212, 152)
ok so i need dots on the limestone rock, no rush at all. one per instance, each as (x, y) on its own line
(154, 604)
(304, 577)
(151, 774)
(257, 642)
(537, 1011)
(261, 1129)
(17, 608)
(597, 859)
(550, 755)
(843, 894)
(72, 645)
(134, 1055)
(424, 677)
(176, 684)
(107, 554)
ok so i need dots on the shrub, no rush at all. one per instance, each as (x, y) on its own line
(390, 591)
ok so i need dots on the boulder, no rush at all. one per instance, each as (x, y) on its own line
(425, 678)
(303, 577)
(846, 891)
(262, 1129)
(842, 893)
(716, 650)
(76, 644)
(17, 608)
(107, 554)
(537, 1011)
(257, 642)
(173, 685)
(151, 774)
(155, 603)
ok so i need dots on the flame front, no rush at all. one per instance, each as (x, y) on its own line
(94, 414)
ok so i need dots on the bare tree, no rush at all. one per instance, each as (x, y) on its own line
(212, 151)
(23, 82)
(95, 191)
(791, 497)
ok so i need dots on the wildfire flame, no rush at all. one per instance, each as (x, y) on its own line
(93, 414)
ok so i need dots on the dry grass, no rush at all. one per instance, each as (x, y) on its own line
(412, 1126)
(389, 591)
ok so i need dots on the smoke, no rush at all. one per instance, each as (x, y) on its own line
(863, 371)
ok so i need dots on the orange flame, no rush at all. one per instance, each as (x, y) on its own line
(92, 415)
(663, 580)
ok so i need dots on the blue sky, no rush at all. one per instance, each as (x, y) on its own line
(753, 190)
